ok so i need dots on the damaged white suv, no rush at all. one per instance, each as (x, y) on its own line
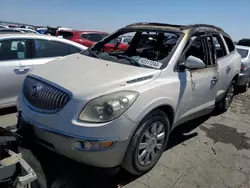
(117, 108)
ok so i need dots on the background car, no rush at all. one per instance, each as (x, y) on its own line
(27, 30)
(10, 30)
(41, 30)
(244, 42)
(4, 26)
(125, 39)
(244, 77)
(88, 38)
(20, 54)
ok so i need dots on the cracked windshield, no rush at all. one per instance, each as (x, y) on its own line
(128, 94)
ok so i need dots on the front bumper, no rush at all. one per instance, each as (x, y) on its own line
(243, 77)
(64, 145)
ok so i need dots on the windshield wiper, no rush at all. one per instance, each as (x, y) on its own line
(132, 61)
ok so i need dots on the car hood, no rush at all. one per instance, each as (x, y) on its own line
(88, 77)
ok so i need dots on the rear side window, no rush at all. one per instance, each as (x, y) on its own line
(48, 48)
(73, 49)
(230, 44)
(219, 47)
(14, 49)
(94, 37)
(243, 53)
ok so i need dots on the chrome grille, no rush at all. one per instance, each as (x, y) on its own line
(44, 96)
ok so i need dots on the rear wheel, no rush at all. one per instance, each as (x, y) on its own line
(245, 87)
(147, 144)
(226, 101)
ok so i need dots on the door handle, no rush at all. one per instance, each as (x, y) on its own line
(228, 68)
(214, 79)
(22, 70)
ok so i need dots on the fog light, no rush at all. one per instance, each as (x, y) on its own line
(87, 145)
(94, 145)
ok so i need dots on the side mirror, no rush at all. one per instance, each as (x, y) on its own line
(194, 63)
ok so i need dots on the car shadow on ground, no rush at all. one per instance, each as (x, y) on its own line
(77, 175)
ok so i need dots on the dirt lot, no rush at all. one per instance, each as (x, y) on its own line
(212, 151)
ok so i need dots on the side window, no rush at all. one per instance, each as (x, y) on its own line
(73, 49)
(15, 49)
(230, 44)
(219, 47)
(211, 50)
(196, 49)
(48, 48)
(92, 37)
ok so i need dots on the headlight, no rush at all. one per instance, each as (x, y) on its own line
(108, 107)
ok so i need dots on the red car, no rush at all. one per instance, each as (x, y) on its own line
(88, 38)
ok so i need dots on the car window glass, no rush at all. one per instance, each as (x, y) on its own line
(94, 37)
(48, 48)
(243, 53)
(73, 49)
(230, 44)
(219, 47)
(13, 49)
(211, 51)
(196, 50)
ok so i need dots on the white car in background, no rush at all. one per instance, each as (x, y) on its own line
(27, 30)
(244, 77)
(21, 53)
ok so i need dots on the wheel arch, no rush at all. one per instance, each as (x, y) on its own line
(166, 108)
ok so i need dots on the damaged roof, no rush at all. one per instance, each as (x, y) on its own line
(173, 27)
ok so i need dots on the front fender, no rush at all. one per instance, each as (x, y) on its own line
(140, 109)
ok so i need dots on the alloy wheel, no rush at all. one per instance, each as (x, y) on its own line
(229, 96)
(151, 143)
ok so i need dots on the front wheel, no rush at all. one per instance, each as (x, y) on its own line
(147, 144)
(225, 103)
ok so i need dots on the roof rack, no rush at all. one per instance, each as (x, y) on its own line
(181, 27)
(155, 24)
(202, 25)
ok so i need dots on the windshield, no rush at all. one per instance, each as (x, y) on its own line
(149, 49)
(243, 53)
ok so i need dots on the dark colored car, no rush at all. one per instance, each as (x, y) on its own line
(88, 38)
(244, 42)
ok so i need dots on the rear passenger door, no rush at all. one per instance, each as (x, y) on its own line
(15, 64)
(225, 62)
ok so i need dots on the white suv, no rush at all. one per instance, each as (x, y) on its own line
(118, 108)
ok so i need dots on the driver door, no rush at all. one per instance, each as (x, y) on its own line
(202, 83)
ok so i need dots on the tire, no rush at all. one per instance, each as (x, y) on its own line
(131, 161)
(30, 158)
(224, 103)
(245, 87)
(64, 182)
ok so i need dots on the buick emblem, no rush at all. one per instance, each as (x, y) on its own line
(34, 92)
